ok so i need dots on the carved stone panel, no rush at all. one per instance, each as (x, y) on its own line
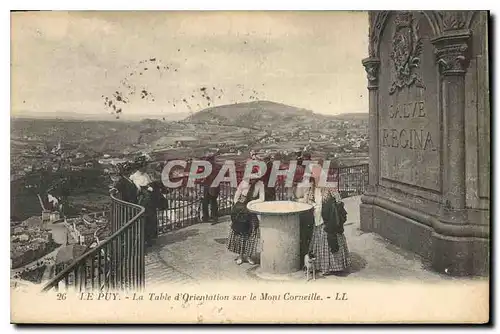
(406, 52)
(409, 116)
(454, 19)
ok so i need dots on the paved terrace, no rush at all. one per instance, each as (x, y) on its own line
(198, 253)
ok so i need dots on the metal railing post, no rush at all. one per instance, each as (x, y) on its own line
(110, 265)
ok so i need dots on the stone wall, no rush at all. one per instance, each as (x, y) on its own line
(429, 136)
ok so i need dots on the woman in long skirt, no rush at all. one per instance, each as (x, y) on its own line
(328, 242)
(146, 196)
(244, 235)
(297, 193)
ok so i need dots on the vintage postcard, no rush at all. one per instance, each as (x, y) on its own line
(250, 167)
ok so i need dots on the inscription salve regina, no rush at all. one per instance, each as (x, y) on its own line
(408, 138)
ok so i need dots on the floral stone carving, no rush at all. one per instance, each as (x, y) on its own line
(406, 51)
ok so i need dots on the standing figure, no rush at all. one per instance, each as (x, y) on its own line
(124, 188)
(146, 198)
(210, 194)
(269, 189)
(306, 156)
(306, 218)
(245, 234)
(328, 242)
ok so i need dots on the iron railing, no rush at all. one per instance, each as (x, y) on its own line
(118, 262)
(115, 264)
(352, 180)
(184, 205)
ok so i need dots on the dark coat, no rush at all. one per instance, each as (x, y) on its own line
(241, 217)
(127, 190)
(269, 191)
(334, 216)
(207, 183)
(149, 200)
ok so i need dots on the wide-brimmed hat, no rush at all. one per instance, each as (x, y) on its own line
(124, 167)
(210, 157)
(140, 161)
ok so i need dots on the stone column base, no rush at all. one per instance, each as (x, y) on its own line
(452, 255)
(460, 256)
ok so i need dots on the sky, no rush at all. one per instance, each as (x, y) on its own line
(70, 61)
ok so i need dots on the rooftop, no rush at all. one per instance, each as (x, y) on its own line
(34, 220)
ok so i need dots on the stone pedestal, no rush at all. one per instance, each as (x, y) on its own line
(280, 236)
(429, 119)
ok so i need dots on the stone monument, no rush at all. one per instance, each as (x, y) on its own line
(429, 111)
(280, 236)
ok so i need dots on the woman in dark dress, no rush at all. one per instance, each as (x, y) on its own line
(244, 236)
(146, 198)
(269, 189)
(328, 242)
(124, 188)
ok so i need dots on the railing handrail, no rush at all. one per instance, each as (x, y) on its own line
(238, 172)
(98, 248)
(189, 203)
(351, 166)
(92, 252)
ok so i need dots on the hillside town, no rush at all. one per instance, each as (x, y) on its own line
(67, 177)
(30, 240)
(38, 242)
(328, 157)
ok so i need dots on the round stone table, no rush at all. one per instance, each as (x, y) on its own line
(280, 236)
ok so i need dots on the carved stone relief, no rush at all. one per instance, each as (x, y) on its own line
(406, 51)
(452, 59)
(378, 20)
(372, 70)
(453, 20)
(452, 52)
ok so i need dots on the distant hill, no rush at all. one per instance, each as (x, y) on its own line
(64, 115)
(265, 114)
(257, 112)
(249, 113)
(352, 116)
(250, 125)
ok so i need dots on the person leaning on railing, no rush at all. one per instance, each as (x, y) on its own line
(146, 198)
(269, 189)
(124, 188)
(210, 194)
